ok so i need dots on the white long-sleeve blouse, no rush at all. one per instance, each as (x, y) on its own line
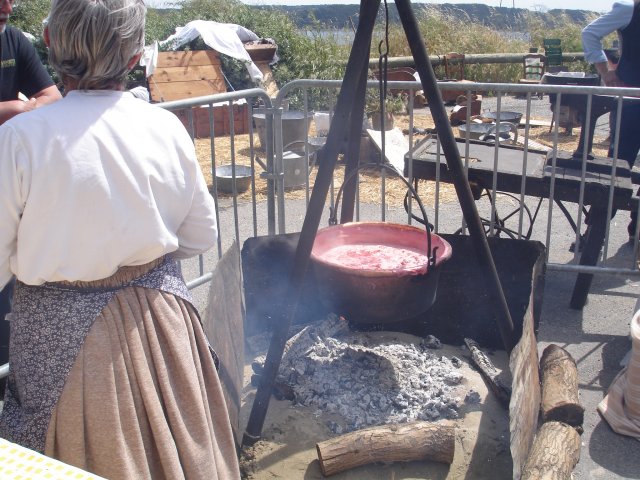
(96, 181)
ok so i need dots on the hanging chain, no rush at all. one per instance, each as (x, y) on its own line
(383, 52)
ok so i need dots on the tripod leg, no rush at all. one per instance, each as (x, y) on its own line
(454, 163)
(327, 158)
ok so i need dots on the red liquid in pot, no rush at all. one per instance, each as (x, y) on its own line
(374, 257)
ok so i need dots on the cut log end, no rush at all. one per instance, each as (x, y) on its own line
(560, 401)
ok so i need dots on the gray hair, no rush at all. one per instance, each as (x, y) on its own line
(92, 41)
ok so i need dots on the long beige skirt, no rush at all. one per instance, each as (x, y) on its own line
(143, 399)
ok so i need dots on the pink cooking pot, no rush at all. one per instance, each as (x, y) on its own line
(389, 291)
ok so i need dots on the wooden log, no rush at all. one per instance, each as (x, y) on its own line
(387, 443)
(489, 372)
(560, 400)
(554, 453)
(472, 59)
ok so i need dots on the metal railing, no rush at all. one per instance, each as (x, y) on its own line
(275, 218)
(475, 59)
(272, 210)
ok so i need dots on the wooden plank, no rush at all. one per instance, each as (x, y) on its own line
(188, 74)
(524, 407)
(533, 145)
(537, 123)
(221, 121)
(165, 92)
(223, 324)
(181, 58)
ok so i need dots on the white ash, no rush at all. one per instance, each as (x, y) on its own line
(367, 381)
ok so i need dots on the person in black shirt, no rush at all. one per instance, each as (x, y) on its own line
(20, 72)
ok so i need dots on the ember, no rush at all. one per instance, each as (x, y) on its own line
(371, 378)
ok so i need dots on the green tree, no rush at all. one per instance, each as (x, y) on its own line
(29, 15)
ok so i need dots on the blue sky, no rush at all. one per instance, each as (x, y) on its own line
(593, 5)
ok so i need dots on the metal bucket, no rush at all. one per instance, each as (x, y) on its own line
(487, 132)
(295, 171)
(510, 117)
(224, 175)
(295, 126)
(478, 130)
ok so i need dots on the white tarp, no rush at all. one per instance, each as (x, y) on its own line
(149, 58)
(226, 38)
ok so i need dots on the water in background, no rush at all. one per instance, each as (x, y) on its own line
(341, 37)
(345, 36)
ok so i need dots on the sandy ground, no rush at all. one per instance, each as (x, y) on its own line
(395, 189)
(287, 449)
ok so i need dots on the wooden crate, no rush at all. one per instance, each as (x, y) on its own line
(221, 121)
(186, 74)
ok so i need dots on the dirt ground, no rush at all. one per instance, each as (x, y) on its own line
(287, 449)
(369, 188)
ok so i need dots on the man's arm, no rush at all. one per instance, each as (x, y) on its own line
(11, 108)
(592, 35)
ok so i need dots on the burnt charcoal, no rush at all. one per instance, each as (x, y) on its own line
(366, 378)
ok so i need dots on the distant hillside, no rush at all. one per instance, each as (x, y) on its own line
(499, 18)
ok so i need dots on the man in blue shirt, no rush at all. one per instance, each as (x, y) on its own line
(623, 18)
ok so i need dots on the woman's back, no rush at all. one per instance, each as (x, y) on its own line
(106, 180)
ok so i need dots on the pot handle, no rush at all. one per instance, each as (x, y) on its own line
(295, 142)
(333, 211)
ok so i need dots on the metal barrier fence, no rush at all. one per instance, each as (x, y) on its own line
(274, 208)
(271, 213)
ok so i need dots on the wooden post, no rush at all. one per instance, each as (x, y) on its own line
(560, 400)
(554, 453)
(387, 443)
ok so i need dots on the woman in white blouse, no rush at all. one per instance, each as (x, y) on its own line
(100, 194)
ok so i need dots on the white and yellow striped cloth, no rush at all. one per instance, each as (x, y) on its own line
(621, 407)
(19, 463)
